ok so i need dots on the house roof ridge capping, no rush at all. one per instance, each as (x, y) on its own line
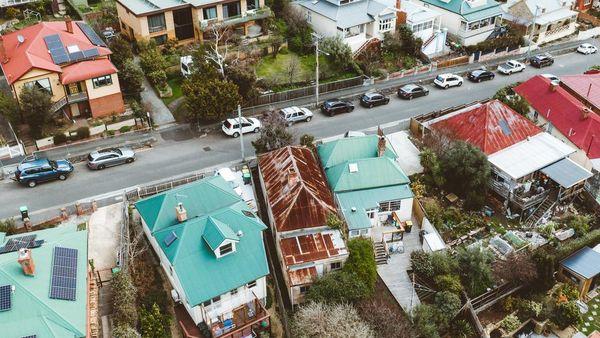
(216, 213)
(305, 205)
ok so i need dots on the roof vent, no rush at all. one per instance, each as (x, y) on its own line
(585, 113)
(353, 209)
(240, 233)
(20, 39)
(554, 84)
(353, 167)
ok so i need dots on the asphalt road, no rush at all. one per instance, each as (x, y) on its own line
(180, 150)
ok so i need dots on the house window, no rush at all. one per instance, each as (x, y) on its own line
(422, 26)
(216, 299)
(304, 289)
(371, 214)
(336, 265)
(225, 249)
(386, 24)
(308, 16)
(209, 13)
(207, 303)
(353, 233)
(390, 205)
(160, 40)
(251, 284)
(364, 232)
(234, 292)
(43, 84)
(102, 81)
(156, 22)
(231, 10)
(251, 4)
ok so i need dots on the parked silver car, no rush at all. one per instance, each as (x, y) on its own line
(110, 157)
(295, 114)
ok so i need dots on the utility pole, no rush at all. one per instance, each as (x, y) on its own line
(531, 32)
(317, 50)
(241, 133)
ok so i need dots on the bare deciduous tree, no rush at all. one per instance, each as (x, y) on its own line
(292, 69)
(335, 321)
(218, 48)
(136, 246)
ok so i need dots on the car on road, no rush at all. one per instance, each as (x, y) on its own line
(541, 60)
(336, 106)
(231, 127)
(479, 75)
(511, 67)
(551, 77)
(110, 157)
(587, 48)
(30, 173)
(411, 91)
(372, 99)
(295, 114)
(448, 80)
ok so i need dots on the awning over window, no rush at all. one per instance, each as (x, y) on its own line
(566, 173)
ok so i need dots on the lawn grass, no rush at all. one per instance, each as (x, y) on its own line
(594, 322)
(175, 84)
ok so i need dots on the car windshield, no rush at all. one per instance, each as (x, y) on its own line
(53, 164)
(118, 151)
(227, 124)
(440, 78)
(508, 65)
(282, 113)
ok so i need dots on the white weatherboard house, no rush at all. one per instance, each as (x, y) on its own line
(210, 245)
(357, 21)
(426, 24)
(470, 21)
(549, 19)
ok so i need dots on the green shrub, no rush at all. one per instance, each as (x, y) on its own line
(158, 78)
(8, 226)
(580, 223)
(334, 222)
(60, 138)
(566, 314)
(425, 317)
(361, 261)
(338, 287)
(110, 132)
(12, 13)
(510, 323)
(153, 323)
(529, 309)
(83, 133)
(283, 50)
(124, 331)
(421, 263)
(449, 283)
(124, 301)
(448, 304)
(124, 129)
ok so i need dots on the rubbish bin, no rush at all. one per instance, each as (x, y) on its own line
(24, 213)
(247, 178)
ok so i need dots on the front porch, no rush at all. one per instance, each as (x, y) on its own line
(248, 320)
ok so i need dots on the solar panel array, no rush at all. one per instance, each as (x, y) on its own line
(32, 336)
(63, 282)
(91, 34)
(60, 54)
(5, 297)
(15, 244)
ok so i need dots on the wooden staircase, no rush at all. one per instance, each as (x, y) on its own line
(541, 211)
(381, 256)
(428, 41)
(364, 46)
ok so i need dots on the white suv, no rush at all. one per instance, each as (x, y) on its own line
(448, 80)
(510, 67)
(231, 127)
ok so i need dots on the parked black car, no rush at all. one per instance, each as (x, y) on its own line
(481, 75)
(336, 106)
(412, 90)
(541, 60)
(373, 99)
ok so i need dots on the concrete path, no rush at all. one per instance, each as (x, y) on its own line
(160, 113)
(394, 273)
(104, 233)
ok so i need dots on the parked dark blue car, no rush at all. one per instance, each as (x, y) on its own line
(33, 172)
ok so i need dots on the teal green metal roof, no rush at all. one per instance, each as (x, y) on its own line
(351, 148)
(372, 173)
(490, 8)
(33, 312)
(212, 214)
(363, 200)
(215, 232)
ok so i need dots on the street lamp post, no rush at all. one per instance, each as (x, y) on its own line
(241, 133)
(317, 50)
(537, 7)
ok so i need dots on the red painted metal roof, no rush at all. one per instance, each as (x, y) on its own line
(309, 248)
(565, 112)
(490, 126)
(296, 188)
(33, 52)
(86, 70)
(586, 86)
(303, 276)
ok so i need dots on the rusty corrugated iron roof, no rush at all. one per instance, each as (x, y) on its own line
(296, 189)
(312, 247)
(302, 276)
(491, 126)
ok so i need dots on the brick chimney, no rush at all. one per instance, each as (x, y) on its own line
(3, 56)
(554, 85)
(585, 112)
(26, 262)
(181, 213)
(381, 143)
(400, 15)
(69, 24)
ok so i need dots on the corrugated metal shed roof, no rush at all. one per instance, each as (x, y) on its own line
(365, 174)
(585, 262)
(565, 112)
(302, 276)
(351, 148)
(490, 126)
(312, 247)
(362, 200)
(348, 15)
(296, 188)
(567, 173)
(530, 155)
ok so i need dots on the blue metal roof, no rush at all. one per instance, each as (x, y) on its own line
(585, 262)
(567, 173)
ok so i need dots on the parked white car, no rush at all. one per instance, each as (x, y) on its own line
(448, 80)
(231, 127)
(587, 48)
(295, 114)
(511, 67)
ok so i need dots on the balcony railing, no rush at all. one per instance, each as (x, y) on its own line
(530, 201)
(254, 14)
(243, 320)
(68, 99)
(6, 3)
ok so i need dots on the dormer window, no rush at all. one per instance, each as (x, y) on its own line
(225, 249)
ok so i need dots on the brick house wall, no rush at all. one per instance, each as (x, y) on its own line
(107, 105)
